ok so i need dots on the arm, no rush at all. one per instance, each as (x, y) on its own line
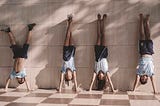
(153, 84)
(61, 82)
(110, 82)
(26, 82)
(75, 80)
(8, 81)
(136, 82)
(93, 79)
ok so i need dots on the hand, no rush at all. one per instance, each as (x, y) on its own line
(90, 90)
(28, 90)
(59, 90)
(76, 90)
(131, 90)
(6, 90)
(155, 92)
(115, 90)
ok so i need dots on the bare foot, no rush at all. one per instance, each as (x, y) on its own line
(147, 17)
(70, 17)
(140, 15)
(104, 19)
(146, 20)
(104, 16)
(99, 16)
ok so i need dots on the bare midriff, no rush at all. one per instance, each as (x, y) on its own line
(19, 64)
(146, 55)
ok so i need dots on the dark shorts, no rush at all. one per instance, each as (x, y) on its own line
(19, 52)
(146, 47)
(100, 52)
(68, 52)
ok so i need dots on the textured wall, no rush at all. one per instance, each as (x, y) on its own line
(45, 52)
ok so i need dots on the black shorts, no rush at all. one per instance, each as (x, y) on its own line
(68, 51)
(19, 52)
(100, 52)
(146, 47)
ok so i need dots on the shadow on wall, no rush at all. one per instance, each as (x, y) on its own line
(121, 31)
(43, 78)
(48, 77)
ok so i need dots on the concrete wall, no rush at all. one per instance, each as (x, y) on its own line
(45, 52)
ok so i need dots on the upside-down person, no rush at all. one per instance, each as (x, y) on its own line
(19, 55)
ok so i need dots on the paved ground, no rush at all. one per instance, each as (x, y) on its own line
(43, 97)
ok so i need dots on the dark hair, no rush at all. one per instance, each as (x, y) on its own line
(144, 81)
(66, 79)
(21, 80)
(100, 83)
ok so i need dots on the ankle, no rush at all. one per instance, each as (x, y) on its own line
(31, 26)
(7, 30)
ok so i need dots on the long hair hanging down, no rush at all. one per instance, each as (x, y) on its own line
(100, 84)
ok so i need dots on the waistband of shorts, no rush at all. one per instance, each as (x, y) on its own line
(146, 58)
(103, 59)
(24, 69)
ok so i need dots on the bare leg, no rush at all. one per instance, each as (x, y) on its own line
(12, 38)
(28, 37)
(147, 28)
(68, 34)
(98, 30)
(141, 27)
(103, 41)
(70, 40)
(30, 28)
